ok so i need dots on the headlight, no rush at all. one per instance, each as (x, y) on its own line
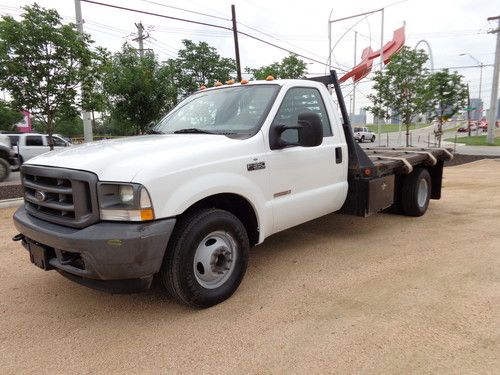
(124, 202)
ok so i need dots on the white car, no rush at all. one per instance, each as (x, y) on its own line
(362, 134)
(34, 144)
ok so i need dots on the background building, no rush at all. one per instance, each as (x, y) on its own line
(478, 104)
(359, 119)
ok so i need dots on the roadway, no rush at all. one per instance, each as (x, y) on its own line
(341, 294)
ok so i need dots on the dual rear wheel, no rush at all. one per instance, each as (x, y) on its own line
(416, 192)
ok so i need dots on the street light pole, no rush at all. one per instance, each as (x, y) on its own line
(494, 88)
(330, 42)
(354, 85)
(381, 69)
(481, 66)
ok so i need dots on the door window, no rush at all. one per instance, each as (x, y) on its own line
(13, 140)
(58, 142)
(34, 140)
(299, 100)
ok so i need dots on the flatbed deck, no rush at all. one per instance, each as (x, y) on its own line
(402, 160)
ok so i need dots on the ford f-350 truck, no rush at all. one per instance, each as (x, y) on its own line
(226, 168)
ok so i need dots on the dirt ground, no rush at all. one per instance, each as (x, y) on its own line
(386, 294)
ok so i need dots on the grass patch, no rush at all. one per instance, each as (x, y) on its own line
(391, 128)
(475, 140)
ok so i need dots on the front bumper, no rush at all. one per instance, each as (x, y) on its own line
(104, 252)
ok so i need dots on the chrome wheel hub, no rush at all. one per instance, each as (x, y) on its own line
(215, 259)
(423, 188)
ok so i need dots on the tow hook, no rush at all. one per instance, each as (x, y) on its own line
(18, 237)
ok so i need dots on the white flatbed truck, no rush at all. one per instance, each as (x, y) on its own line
(225, 169)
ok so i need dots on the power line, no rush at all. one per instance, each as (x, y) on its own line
(287, 50)
(278, 39)
(205, 24)
(186, 10)
(463, 67)
(156, 14)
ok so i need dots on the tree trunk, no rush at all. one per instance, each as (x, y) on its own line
(93, 121)
(440, 131)
(49, 132)
(407, 135)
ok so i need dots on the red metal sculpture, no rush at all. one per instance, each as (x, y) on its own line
(365, 66)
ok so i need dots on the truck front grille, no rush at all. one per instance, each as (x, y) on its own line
(63, 196)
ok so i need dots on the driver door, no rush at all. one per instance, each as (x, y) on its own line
(305, 181)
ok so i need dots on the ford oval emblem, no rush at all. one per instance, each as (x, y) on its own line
(40, 196)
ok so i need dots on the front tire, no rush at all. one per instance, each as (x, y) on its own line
(362, 139)
(373, 139)
(416, 192)
(206, 258)
(20, 162)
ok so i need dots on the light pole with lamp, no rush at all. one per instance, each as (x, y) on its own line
(330, 48)
(481, 65)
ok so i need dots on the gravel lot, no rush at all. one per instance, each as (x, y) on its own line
(386, 294)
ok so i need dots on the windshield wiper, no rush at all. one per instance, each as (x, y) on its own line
(193, 130)
(152, 131)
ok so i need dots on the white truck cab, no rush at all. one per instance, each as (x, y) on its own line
(34, 144)
(226, 168)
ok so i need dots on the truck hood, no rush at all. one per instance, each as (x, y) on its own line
(121, 159)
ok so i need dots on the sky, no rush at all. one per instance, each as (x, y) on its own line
(450, 27)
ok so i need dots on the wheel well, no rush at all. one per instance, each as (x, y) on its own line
(235, 204)
(4, 154)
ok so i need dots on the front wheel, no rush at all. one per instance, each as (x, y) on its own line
(373, 139)
(19, 163)
(206, 258)
(416, 192)
(362, 139)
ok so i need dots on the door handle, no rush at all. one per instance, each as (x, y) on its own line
(338, 155)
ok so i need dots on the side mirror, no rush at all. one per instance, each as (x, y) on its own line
(309, 129)
(150, 128)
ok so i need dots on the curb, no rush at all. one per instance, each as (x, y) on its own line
(14, 202)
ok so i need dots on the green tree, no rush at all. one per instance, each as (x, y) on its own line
(400, 88)
(200, 64)
(139, 90)
(290, 67)
(93, 95)
(8, 116)
(42, 63)
(445, 95)
(69, 126)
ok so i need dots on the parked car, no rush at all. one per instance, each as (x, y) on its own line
(30, 145)
(7, 157)
(464, 129)
(362, 134)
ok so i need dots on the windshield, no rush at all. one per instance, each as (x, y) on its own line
(232, 110)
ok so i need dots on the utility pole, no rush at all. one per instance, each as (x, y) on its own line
(494, 88)
(87, 123)
(236, 45)
(140, 38)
